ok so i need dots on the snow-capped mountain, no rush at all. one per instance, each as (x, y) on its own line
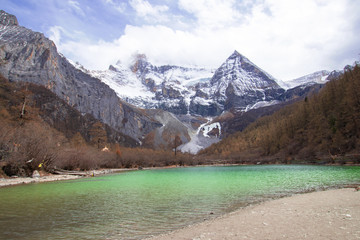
(237, 86)
(167, 87)
(126, 84)
(237, 83)
(320, 77)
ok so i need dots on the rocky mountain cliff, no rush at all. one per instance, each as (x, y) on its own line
(31, 57)
(44, 106)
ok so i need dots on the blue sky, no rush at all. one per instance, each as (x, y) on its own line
(287, 38)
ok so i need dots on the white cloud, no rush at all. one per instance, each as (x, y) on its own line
(297, 37)
(212, 13)
(119, 6)
(60, 35)
(76, 7)
(55, 34)
(145, 10)
(93, 56)
(286, 38)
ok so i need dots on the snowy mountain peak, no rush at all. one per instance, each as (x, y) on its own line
(237, 65)
(245, 63)
(113, 68)
(139, 63)
(237, 55)
(238, 83)
(166, 87)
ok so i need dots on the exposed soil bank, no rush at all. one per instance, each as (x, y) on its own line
(57, 177)
(4, 182)
(332, 214)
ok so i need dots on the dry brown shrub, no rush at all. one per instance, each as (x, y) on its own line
(24, 147)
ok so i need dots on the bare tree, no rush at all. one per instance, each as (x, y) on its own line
(177, 142)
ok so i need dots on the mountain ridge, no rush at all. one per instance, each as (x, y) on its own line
(238, 83)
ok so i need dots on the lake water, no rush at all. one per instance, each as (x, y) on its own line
(139, 204)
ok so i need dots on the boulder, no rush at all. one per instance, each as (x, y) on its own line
(35, 174)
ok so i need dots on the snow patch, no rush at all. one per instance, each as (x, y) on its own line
(261, 104)
(202, 101)
(208, 128)
(201, 138)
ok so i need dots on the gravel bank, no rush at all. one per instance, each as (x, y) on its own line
(332, 214)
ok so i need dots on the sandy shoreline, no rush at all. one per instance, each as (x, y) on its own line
(331, 214)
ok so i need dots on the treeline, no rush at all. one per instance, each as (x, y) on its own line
(34, 145)
(31, 140)
(324, 127)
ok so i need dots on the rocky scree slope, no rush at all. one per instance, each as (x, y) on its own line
(31, 57)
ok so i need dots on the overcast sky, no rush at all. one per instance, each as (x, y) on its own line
(286, 38)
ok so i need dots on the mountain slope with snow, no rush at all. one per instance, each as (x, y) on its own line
(319, 77)
(167, 87)
(126, 85)
(238, 83)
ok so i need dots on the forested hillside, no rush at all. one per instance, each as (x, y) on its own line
(325, 127)
(39, 131)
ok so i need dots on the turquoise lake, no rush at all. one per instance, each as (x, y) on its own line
(139, 204)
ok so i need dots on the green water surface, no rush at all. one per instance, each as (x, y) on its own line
(139, 204)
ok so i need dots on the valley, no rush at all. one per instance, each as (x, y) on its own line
(146, 119)
(142, 107)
